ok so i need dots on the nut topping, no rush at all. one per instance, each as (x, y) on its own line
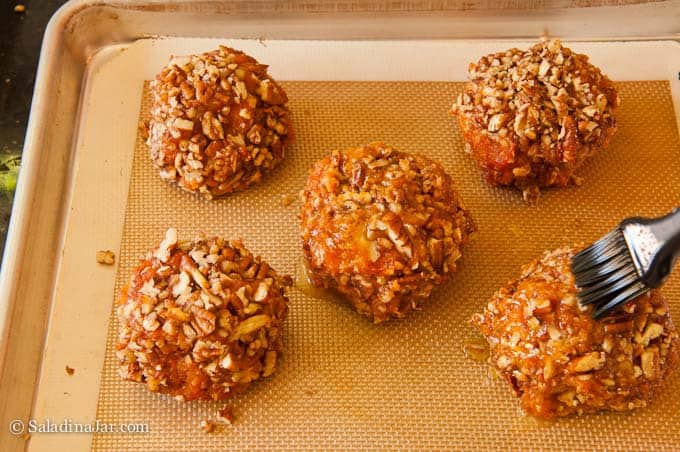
(559, 360)
(201, 319)
(382, 227)
(588, 362)
(219, 122)
(531, 118)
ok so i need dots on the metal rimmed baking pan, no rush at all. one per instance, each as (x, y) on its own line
(74, 184)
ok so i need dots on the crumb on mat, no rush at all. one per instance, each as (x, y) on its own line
(106, 257)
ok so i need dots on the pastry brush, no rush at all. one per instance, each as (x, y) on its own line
(638, 255)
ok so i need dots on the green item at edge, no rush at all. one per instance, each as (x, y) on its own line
(9, 171)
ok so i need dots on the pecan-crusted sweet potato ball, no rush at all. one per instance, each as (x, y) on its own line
(219, 122)
(201, 319)
(560, 361)
(382, 228)
(531, 118)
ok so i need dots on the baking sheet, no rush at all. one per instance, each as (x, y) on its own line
(79, 151)
(345, 383)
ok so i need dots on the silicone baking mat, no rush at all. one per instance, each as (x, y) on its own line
(346, 384)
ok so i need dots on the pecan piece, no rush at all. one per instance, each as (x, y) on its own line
(204, 320)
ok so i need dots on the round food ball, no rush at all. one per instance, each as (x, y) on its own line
(219, 122)
(531, 118)
(382, 228)
(559, 360)
(201, 319)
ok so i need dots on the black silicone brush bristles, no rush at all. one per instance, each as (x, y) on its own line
(606, 274)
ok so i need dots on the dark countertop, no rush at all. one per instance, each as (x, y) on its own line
(20, 38)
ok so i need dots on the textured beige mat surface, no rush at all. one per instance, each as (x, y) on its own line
(346, 384)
